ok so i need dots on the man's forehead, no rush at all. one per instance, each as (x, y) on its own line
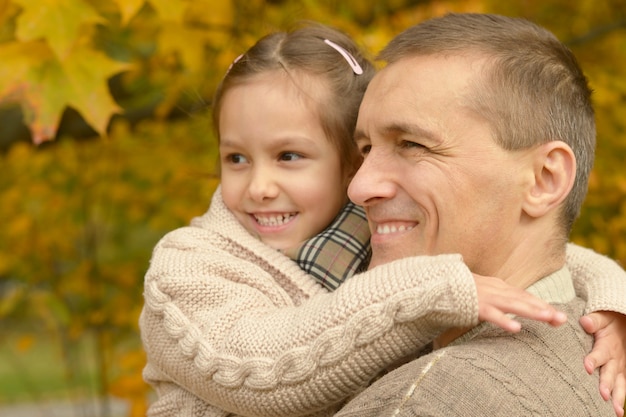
(386, 75)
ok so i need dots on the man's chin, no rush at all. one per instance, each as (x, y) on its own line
(382, 259)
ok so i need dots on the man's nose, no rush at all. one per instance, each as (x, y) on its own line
(373, 180)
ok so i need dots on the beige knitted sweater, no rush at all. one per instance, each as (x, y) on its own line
(233, 327)
(488, 372)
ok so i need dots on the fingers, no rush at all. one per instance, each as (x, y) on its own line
(500, 319)
(600, 355)
(496, 299)
(609, 345)
(529, 309)
(549, 315)
(608, 375)
(593, 322)
(608, 354)
(619, 395)
(588, 324)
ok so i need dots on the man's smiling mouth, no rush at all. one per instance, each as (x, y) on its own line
(388, 228)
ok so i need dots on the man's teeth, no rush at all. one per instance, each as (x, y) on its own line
(386, 229)
(277, 220)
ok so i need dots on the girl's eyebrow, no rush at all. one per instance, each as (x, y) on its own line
(278, 142)
(225, 143)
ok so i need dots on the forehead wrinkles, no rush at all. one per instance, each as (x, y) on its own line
(393, 108)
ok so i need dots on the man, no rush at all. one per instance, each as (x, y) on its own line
(478, 139)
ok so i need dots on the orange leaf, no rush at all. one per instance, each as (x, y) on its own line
(24, 343)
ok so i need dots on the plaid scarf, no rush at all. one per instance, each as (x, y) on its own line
(339, 251)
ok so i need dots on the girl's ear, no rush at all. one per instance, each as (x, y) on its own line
(554, 168)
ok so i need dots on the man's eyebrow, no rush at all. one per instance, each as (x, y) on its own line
(359, 135)
(410, 129)
(396, 129)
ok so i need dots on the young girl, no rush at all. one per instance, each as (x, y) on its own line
(231, 324)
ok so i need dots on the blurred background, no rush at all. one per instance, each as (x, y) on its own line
(106, 145)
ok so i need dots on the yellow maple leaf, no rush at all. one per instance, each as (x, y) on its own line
(129, 8)
(172, 10)
(57, 21)
(45, 86)
(23, 66)
(85, 74)
(17, 59)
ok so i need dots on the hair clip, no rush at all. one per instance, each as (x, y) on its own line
(349, 58)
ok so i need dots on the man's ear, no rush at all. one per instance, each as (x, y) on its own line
(554, 169)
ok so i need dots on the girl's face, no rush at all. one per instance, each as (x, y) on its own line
(281, 176)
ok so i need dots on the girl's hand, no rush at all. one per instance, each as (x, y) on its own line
(609, 353)
(496, 299)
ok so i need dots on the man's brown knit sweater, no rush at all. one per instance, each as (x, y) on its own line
(487, 372)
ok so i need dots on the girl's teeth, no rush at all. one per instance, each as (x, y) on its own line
(274, 220)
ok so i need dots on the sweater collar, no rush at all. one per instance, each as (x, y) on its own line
(556, 288)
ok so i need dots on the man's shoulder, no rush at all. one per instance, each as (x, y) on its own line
(566, 340)
(538, 371)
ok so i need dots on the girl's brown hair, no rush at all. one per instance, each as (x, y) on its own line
(304, 52)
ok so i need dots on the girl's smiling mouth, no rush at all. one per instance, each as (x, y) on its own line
(273, 220)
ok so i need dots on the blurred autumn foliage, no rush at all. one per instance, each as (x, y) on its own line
(106, 143)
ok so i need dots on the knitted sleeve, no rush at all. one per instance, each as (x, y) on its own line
(598, 279)
(216, 327)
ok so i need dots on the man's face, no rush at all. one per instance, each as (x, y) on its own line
(433, 180)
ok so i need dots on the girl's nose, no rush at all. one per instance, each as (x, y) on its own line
(263, 185)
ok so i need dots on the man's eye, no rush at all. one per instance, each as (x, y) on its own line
(407, 144)
(365, 149)
(289, 156)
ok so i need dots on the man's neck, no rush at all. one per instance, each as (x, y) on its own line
(518, 272)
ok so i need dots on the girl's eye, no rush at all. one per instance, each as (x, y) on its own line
(236, 158)
(289, 156)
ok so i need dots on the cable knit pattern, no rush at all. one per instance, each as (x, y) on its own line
(294, 365)
(231, 326)
(536, 372)
(240, 326)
